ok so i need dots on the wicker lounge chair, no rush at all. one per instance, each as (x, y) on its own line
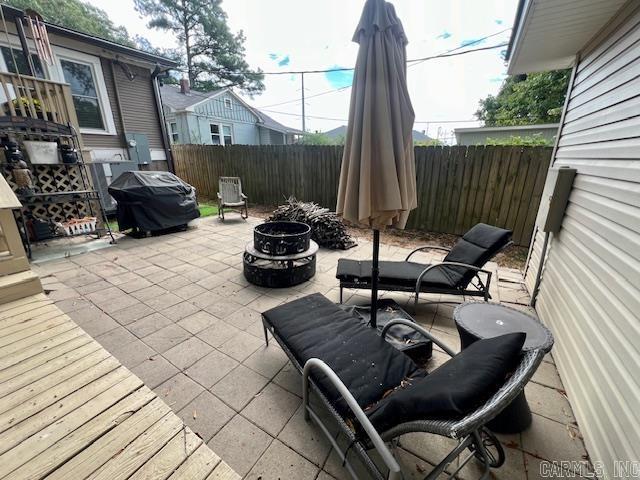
(376, 393)
(461, 269)
(230, 196)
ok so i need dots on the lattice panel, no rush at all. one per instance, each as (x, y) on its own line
(58, 178)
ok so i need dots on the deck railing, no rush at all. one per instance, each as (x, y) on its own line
(25, 96)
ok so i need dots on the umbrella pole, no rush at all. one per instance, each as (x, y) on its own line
(374, 278)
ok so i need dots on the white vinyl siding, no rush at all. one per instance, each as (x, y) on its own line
(590, 290)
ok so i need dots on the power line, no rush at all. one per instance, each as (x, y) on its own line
(448, 53)
(345, 120)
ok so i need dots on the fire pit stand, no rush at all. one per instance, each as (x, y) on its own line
(282, 255)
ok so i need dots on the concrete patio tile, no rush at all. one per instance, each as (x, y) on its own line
(205, 299)
(206, 415)
(131, 314)
(189, 290)
(73, 305)
(218, 333)
(264, 303)
(228, 289)
(162, 302)
(198, 321)
(135, 285)
(513, 468)
(267, 361)
(195, 274)
(180, 310)
(134, 353)
(239, 387)
(150, 271)
(306, 438)
(325, 476)
(428, 447)
(240, 443)
(214, 266)
(119, 303)
(272, 409)
(92, 287)
(174, 283)
(79, 279)
(149, 292)
(279, 461)
(116, 338)
(538, 469)
(245, 295)
(106, 270)
(547, 375)
(212, 368)
(123, 278)
(148, 325)
(240, 346)
(223, 308)
(166, 338)
(154, 371)
(62, 294)
(243, 318)
(178, 391)
(289, 379)
(98, 324)
(187, 353)
(549, 403)
(553, 441)
(256, 329)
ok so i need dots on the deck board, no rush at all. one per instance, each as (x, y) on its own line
(68, 409)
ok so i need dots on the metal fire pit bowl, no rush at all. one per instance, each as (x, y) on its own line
(282, 238)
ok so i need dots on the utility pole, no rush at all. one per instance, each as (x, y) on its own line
(303, 113)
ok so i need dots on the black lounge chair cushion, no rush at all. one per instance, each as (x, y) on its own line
(314, 327)
(456, 388)
(476, 247)
(404, 274)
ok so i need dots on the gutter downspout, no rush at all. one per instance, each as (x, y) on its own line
(163, 124)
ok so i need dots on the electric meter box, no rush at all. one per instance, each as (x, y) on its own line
(555, 198)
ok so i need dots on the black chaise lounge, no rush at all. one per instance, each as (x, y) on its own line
(376, 393)
(461, 269)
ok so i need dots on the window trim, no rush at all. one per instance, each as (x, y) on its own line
(221, 133)
(32, 49)
(173, 132)
(230, 104)
(94, 63)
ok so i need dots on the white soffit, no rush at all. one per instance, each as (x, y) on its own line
(549, 33)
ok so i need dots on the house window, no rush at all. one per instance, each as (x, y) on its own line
(221, 134)
(228, 104)
(84, 92)
(16, 62)
(228, 138)
(173, 131)
(215, 134)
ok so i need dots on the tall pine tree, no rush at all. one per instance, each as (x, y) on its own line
(211, 54)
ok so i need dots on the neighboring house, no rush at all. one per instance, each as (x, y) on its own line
(480, 135)
(114, 89)
(219, 118)
(340, 133)
(590, 287)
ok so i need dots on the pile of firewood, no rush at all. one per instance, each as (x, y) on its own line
(327, 228)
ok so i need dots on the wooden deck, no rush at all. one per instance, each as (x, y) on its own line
(69, 410)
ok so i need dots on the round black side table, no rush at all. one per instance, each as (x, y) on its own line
(475, 321)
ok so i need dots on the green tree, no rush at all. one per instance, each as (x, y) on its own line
(210, 53)
(317, 138)
(77, 15)
(535, 140)
(526, 100)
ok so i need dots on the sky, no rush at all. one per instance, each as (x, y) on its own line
(294, 35)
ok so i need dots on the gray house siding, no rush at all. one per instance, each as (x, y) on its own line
(217, 107)
(590, 289)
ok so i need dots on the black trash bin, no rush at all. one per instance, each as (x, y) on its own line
(153, 201)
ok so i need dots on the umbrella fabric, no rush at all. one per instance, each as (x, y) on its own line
(378, 181)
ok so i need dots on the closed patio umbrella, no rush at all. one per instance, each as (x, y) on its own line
(377, 180)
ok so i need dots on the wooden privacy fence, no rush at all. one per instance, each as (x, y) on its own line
(457, 186)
